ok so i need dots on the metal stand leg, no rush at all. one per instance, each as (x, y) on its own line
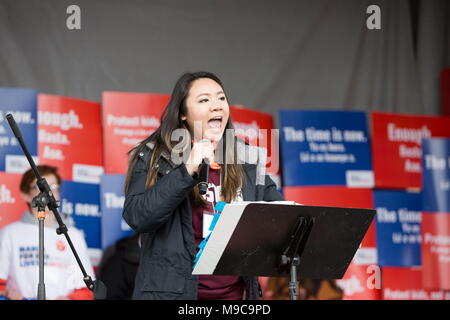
(41, 284)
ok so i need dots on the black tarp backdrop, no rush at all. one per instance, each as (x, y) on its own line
(271, 55)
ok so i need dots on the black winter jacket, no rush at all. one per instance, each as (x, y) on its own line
(163, 215)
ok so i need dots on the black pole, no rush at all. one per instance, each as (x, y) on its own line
(46, 198)
(41, 284)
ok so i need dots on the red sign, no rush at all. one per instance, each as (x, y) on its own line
(12, 206)
(397, 147)
(128, 118)
(436, 250)
(339, 196)
(400, 283)
(255, 128)
(69, 137)
(361, 282)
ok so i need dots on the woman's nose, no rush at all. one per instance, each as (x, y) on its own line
(216, 106)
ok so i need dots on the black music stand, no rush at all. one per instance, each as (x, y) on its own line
(284, 240)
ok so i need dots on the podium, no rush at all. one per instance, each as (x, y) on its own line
(283, 239)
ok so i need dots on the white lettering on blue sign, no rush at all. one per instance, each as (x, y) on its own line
(113, 201)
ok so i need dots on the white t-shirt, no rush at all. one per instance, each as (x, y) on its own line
(19, 260)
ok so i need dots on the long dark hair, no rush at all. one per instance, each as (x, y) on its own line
(232, 173)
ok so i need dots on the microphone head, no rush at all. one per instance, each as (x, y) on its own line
(13, 125)
(9, 117)
(202, 187)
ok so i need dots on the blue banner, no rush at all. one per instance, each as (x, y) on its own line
(436, 175)
(398, 228)
(325, 148)
(22, 104)
(112, 199)
(82, 202)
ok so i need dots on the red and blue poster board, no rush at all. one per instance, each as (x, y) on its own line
(70, 137)
(256, 128)
(325, 148)
(81, 201)
(361, 282)
(405, 283)
(114, 226)
(22, 104)
(398, 223)
(397, 147)
(128, 118)
(12, 206)
(436, 214)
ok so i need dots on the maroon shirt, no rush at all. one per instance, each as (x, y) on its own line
(212, 287)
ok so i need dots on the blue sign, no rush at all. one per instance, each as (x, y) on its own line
(398, 228)
(114, 226)
(22, 104)
(436, 175)
(82, 202)
(325, 148)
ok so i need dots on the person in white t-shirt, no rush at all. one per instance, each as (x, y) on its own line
(19, 251)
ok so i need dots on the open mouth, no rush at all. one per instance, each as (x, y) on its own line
(215, 122)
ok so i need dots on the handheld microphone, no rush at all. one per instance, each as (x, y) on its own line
(203, 176)
(204, 171)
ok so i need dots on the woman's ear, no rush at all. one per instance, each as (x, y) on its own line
(183, 118)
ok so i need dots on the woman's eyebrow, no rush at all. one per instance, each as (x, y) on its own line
(207, 94)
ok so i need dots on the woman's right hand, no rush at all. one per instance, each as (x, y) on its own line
(200, 150)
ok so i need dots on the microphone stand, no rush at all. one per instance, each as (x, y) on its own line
(46, 199)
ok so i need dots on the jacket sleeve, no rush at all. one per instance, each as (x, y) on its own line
(270, 190)
(145, 210)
